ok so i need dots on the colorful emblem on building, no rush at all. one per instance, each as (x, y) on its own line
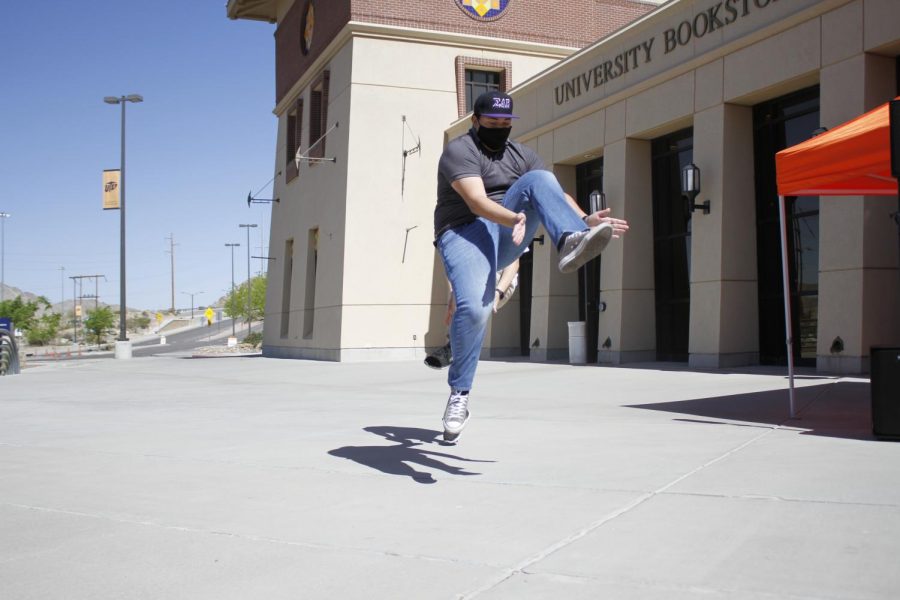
(484, 10)
(309, 24)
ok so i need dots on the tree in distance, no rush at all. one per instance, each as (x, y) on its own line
(137, 323)
(37, 330)
(236, 303)
(44, 330)
(99, 323)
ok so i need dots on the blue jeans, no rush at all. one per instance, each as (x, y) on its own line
(473, 253)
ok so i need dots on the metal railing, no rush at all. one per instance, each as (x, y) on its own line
(9, 353)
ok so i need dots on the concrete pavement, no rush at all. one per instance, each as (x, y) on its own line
(170, 477)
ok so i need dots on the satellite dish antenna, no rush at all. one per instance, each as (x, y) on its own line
(414, 150)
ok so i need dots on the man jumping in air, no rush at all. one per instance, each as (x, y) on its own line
(492, 195)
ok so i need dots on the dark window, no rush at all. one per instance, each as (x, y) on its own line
(312, 262)
(318, 115)
(479, 82)
(672, 245)
(526, 277)
(287, 282)
(779, 124)
(589, 177)
(294, 129)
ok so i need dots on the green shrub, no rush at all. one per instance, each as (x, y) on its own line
(44, 330)
(253, 339)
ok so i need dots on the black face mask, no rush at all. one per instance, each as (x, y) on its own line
(494, 139)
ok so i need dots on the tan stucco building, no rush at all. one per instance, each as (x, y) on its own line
(722, 84)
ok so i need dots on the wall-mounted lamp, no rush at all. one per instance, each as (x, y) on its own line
(538, 239)
(607, 344)
(597, 201)
(837, 346)
(690, 187)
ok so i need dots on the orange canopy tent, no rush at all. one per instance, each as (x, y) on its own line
(853, 159)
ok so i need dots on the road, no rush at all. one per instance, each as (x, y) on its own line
(183, 341)
(186, 340)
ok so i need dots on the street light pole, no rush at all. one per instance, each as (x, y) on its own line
(126, 353)
(3, 217)
(62, 290)
(232, 246)
(248, 226)
(192, 294)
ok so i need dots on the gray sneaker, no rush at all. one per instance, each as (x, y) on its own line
(582, 246)
(456, 415)
(440, 358)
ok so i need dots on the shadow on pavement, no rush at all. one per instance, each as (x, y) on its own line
(224, 355)
(400, 458)
(840, 409)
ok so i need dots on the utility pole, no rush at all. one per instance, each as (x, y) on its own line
(171, 251)
(248, 226)
(81, 295)
(262, 251)
(74, 313)
(233, 317)
(3, 217)
(62, 290)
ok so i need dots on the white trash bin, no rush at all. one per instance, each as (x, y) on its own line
(577, 343)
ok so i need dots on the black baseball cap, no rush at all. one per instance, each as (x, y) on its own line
(494, 104)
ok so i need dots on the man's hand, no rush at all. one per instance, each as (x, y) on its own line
(451, 308)
(518, 230)
(620, 226)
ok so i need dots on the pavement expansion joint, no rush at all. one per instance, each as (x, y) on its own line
(248, 537)
(368, 474)
(784, 499)
(670, 588)
(541, 555)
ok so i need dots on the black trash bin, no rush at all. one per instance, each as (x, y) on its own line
(885, 374)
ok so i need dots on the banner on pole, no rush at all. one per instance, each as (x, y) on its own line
(110, 189)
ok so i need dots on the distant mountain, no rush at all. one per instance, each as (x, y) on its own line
(88, 304)
(10, 292)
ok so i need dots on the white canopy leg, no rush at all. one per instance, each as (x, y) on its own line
(788, 328)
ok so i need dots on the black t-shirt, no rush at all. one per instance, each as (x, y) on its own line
(466, 157)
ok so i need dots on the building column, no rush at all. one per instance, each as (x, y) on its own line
(724, 328)
(627, 328)
(554, 295)
(859, 289)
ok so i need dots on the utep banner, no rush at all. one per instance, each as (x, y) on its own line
(111, 189)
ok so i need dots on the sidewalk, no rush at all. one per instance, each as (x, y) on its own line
(249, 478)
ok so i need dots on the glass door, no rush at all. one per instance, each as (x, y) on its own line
(672, 245)
(779, 124)
(589, 177)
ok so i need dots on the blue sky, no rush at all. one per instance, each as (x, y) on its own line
(202, 139)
